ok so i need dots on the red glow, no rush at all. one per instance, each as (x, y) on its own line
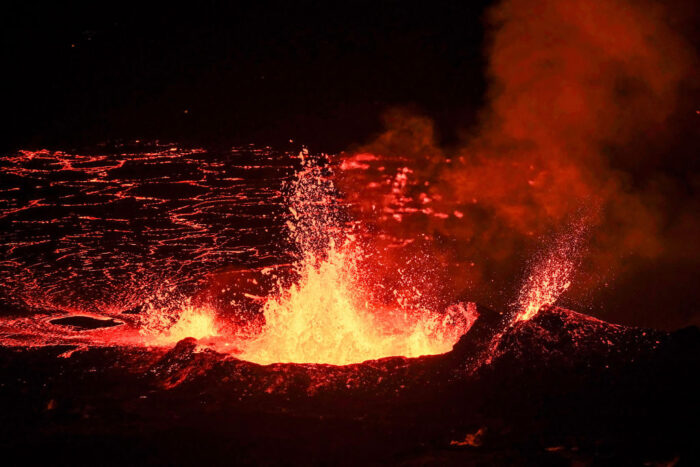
(325, 308)
(329, 316)
(551, 273)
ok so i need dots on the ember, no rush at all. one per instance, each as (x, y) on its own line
(550, 275)
(187, 321)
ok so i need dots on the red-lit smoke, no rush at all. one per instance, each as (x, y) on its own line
(580, 94)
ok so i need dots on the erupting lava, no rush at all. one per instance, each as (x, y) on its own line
(159, 328)
(543, 287)
(550, 274)
(333, 306)
(328, 316)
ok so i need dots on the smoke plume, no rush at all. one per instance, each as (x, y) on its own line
(583, 98)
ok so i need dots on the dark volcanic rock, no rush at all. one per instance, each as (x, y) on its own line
(557, 389)
(136, 310)
(85, 322)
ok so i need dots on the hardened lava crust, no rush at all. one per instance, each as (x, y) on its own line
(558, 388)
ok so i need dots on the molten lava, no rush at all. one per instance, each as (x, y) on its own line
(340, 302)
(550, 274)
(328, 316)
(159, 327)
(327, 313)
(544, 286)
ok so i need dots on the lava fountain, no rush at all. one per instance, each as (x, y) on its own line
(331, 304)
(329, 314)
(551, 272)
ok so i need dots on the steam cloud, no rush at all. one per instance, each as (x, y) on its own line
(582, 97)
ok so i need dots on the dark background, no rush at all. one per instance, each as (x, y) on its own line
(320, 73)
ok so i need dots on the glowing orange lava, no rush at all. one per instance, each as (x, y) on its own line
(543, 287)
(328, 315)
(326, 318)
(551, 274)
(160, 327)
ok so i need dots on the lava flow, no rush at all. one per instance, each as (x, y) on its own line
(325, 308)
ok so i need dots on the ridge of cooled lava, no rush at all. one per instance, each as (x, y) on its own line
(507, 383)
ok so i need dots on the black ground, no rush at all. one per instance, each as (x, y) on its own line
(558, 390)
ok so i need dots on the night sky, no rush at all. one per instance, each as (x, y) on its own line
(320, 73)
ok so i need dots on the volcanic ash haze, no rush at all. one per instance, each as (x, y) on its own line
(584, 99)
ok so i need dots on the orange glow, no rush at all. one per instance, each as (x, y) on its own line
(328, 316)
(164, 327)
(550, 274)
(582, 94)
(544, 287)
